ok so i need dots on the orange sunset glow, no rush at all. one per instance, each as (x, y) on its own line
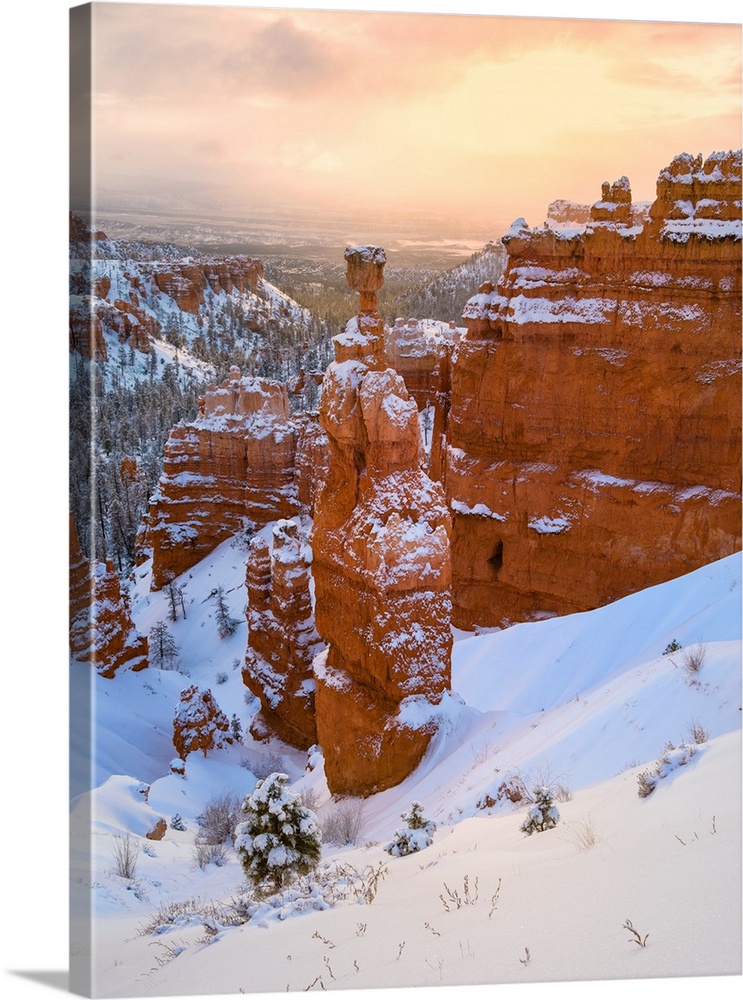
(478, 118)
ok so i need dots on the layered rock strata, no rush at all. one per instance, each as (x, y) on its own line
(101, 628)
(234, 464)
(423, 358)
(282, 639)
(121, 290)
(381, 563)
(185, 281)
(593, 439)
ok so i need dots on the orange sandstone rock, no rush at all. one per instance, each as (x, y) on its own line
(381, 566)
(101, 628)
(593, 438)
(282, 639)
(233, 464)
(199, 723)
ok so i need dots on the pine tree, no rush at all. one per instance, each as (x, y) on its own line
(280, 838)
(543, 815)
(163, 650)
(237, 729)
(226, 624)
(415, 836)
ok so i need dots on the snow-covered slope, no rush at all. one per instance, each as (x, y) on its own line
(585, 703)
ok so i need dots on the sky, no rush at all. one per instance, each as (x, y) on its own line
(481, 119)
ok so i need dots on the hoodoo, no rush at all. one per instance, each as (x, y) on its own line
(282, 640)
(593, 442)
(381, 563)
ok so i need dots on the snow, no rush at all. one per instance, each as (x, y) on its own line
(588, 701)
(549, 525)
(479, 509)
(522, 309)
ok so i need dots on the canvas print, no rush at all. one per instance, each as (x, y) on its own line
(405, 500)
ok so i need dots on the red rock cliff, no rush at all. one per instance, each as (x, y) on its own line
(234, 463)
(380, 545)
(101, 628)
(593, 440)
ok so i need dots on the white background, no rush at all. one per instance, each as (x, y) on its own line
(33, 530)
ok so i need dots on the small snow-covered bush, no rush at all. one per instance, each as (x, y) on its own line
(671, 758)
(697, 733)
(279, 839)
(206, 854)
(415, 836)
(543, 815)
(674, 646)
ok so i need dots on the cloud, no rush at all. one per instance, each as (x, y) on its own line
(282, 58)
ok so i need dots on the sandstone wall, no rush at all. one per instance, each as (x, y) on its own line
(593, 437)
(101, 628)
(244, 459)
(282, 639)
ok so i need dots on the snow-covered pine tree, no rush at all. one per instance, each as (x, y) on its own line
(226, 624)
(236, 728)
(415, 836)
(163, 650)
(543, 815)
(279, 839)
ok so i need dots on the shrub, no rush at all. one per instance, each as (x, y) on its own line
(279, 839)
(344, 824)
(417, 835)
(310, 799)
(205, 854)
(674, 646)
(543, 815)
(584, 834)
(671, 758)
(692, 659)
(218, 819)
(125, 855)
(697, 733)
(176, 822)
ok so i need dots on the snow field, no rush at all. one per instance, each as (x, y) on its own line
(586, 703)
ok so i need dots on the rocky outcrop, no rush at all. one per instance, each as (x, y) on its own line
(121, 290)
(381, 565)
(243, 462)
(199, 723)
(185, 281)
(421, 356)
(593, 438)
(564, 214)
(282, 639)
(101, 628)
(130, 323)
(86, 331)
(234, 464)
